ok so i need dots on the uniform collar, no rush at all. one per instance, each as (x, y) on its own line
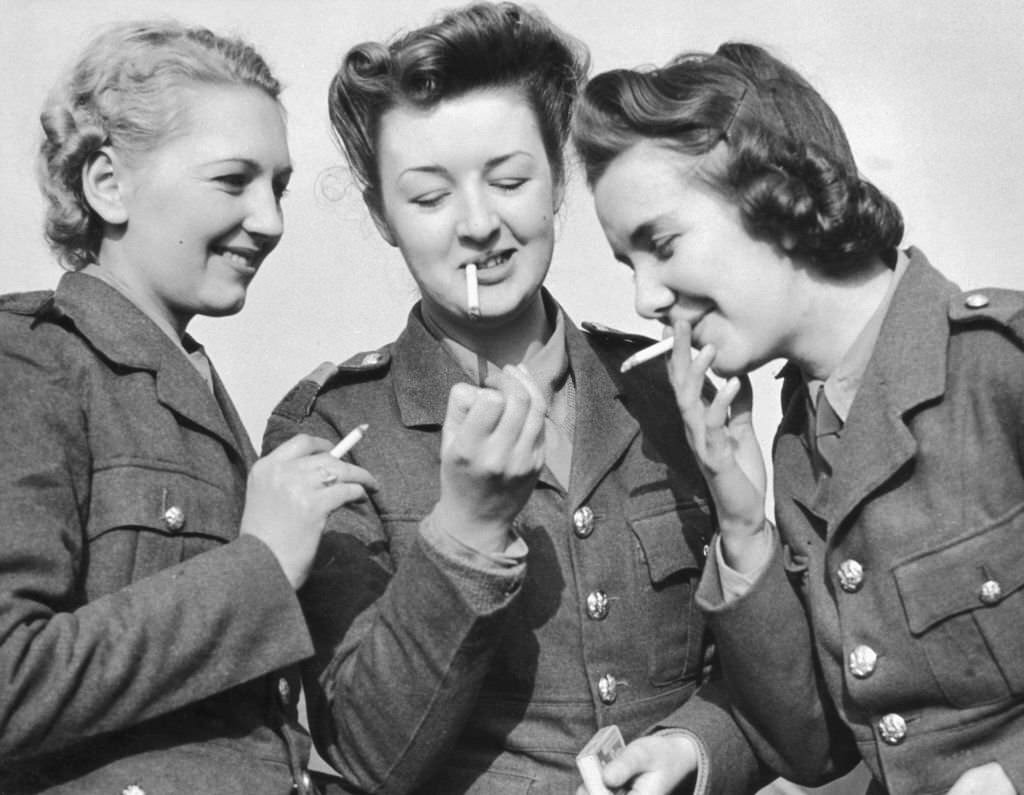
(841, 386)
(123, 334)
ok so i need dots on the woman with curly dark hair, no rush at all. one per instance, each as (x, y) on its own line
(526, 573)
(881, 620)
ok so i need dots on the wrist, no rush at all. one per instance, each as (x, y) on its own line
(748, 551)
(488, 535)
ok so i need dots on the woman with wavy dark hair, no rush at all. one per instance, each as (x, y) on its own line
(881, 619)
(526, 573)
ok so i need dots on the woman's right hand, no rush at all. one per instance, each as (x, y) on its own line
(721, 435)
(290, 493)
(492, 450)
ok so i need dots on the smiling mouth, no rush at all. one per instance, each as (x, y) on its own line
(240, 258)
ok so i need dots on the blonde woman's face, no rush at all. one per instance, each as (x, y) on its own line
(203, 208)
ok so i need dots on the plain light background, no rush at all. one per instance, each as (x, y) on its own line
(931, 95)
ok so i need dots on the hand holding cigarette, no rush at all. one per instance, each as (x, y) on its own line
(291, 492)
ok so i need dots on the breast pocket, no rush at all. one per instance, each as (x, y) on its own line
(143, 520)
(964, 603)
(671, 539)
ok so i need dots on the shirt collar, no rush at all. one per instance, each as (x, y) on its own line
(549, 364)
(842, 385)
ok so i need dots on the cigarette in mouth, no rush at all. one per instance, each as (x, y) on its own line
(351, 440)
(472, 292)
(648, 353)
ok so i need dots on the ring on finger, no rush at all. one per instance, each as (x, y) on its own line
(327, 478)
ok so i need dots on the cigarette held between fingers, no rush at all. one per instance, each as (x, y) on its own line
(351, 440)
(472, 292)
(648, 353)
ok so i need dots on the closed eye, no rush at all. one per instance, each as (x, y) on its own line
(429, 200)
(663, 247)
(509, 185)
(234, 182)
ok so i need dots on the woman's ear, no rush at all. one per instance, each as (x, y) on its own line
(373, 204)
(102, 187)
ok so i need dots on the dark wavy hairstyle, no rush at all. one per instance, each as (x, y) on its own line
(122, 92)
(479, 46)
(785, 160)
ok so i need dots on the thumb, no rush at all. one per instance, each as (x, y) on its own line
(460, 401)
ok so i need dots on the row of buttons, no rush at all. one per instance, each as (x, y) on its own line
(863, 660)
(597, 601)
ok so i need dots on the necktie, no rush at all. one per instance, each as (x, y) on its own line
(825, 435)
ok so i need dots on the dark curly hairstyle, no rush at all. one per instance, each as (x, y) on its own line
(121, 92)
(479, 46)
(786, 162)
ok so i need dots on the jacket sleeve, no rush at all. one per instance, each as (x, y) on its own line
(777, 694)
(71, 670)
(728, 765)
(401, 653)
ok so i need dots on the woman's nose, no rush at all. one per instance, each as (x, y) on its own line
(265, 218)
(479, 222)
(652, 298)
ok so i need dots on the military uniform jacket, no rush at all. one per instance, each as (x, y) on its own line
(436, 677)
(908, 564)
(127, 657)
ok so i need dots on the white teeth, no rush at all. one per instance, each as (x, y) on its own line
(236, 258)
(493, 261)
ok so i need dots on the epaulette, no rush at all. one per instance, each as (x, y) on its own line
(990, 305)
(613, 336)
(298, 403)
(37, 302)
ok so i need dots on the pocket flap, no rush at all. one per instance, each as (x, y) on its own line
(942, 582)
(140, 497)
(671, 539)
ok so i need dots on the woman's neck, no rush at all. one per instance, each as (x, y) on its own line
(836, 312)
(506, 340)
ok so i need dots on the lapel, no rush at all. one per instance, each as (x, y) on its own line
(604, 428)
(122, 334)
(424, 373)
(907, 370)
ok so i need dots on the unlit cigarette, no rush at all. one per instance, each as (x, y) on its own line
(472, 292)
(648, 353)
(351, 440)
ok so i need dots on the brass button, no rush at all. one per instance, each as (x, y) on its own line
(583, 521)
(133, 789)
(990, 592)
(284, 690)
(307, 782)
(597, 605)
(893, 728)
(976, 301)
(862, 661)
(607, 686)
(174, 518)
(851, 576)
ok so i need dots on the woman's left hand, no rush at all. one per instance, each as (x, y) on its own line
(652, 765)
(988, 779)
